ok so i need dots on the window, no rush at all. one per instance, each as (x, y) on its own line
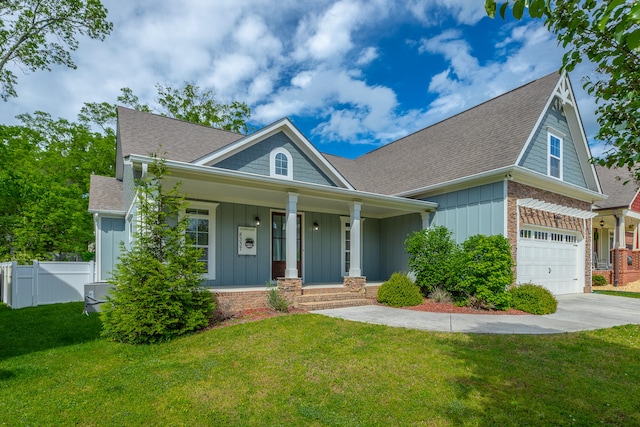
(555, 156)
(201, 231)
(281, 164)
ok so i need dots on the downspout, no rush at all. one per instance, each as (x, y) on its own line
(616, 243)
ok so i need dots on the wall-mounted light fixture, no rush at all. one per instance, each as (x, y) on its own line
(602, 223)
(257, 221)
(316, 227)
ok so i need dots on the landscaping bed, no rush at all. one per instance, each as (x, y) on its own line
(446, 307)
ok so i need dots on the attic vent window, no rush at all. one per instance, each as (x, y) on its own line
(281, 164)
(555, 156)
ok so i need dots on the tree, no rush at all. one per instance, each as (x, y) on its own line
(158, 293)
(430, 252)
(189, 103)
(45, 166)
(36, 34)
(607, 33)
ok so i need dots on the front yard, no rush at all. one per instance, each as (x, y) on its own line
(306, 369)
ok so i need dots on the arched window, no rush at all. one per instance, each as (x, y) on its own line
(281, 164)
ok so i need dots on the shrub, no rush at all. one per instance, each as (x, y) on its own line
(277, 300)
(430, 252)
(399, 291)
(597, 280)
(533, 299)
(483, 272)
(440, 295)
(158, 293)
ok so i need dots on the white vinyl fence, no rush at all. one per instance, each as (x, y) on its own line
(44, 282)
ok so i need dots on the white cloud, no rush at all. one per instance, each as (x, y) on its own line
(367, 56)
(432, 12)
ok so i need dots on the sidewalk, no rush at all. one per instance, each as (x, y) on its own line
(578, 312)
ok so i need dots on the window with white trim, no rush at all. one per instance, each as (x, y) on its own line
(554, 167)
(201, 232)
(281, 163)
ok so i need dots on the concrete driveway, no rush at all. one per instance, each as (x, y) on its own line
(578, 312)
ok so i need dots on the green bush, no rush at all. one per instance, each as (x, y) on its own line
(430, 252)
(597, 280)
(399, 291)
(533, 299)
(483, 271)
(158, 293)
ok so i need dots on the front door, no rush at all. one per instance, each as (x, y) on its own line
(279, 244)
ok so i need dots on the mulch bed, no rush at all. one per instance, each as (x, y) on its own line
(445, 307)
(428, 305)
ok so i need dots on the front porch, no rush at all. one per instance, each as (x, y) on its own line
(616, 254)
(308, 297)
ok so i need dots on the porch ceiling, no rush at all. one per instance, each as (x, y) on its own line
(214, 184)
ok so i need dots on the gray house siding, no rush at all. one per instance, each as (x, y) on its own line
(129, 184)
(255, 159)
(322, 248)
(476, 210)
(112, 232)
(371, 250)
(394, 231)
(536, 155)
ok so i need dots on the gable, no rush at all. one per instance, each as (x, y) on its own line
(257, 159)
(536, 155)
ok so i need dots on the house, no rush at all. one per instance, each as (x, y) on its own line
(270, 206)
(616, 246)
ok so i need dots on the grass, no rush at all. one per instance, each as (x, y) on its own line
(619, 293)
(312, 370)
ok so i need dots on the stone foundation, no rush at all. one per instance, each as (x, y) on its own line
(291, 287)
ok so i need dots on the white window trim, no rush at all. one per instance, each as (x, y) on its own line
(272, 163)
(344, 220)
(549, 156)
(212, 208)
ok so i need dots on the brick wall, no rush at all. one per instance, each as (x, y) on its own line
(235, 302)
(530, 216)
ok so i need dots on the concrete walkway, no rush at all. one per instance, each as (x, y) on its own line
(578, 312)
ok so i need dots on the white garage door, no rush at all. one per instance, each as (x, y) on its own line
(552, 259)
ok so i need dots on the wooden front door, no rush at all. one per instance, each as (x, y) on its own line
(279, 244)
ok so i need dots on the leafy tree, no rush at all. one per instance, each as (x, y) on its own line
(607, 33)
(45, 166)
(430, 252)
(35, 34)
(158, 292)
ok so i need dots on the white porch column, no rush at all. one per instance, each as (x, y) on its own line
(291, 270)
(620, 232)
(355, 270)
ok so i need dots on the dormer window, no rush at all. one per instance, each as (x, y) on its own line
(554, 168)
(281, 164)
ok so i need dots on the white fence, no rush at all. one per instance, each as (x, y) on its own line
(44, 282)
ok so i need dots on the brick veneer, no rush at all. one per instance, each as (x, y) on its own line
(234, 302)
(529, 216)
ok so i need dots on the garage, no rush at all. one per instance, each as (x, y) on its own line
(552, 258)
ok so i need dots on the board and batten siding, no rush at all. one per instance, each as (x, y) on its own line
(476, 210)
(112, 232)
(256, 158)
(393, 232)
(537, 153)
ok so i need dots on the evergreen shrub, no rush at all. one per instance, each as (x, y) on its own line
(430, 253)
(597, 280)
(533, 299)
(399, 291)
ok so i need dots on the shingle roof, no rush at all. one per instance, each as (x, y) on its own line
(144, 133)
(612, 183)
(483, 138)
(106, 194)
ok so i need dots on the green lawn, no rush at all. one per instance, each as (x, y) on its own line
(312, 370)
(619, 293)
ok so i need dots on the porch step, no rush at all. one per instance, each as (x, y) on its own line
(318, 300)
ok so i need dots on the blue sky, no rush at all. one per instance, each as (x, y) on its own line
(351, 74)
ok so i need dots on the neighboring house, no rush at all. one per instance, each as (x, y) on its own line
(269, 205)
(616, 252)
